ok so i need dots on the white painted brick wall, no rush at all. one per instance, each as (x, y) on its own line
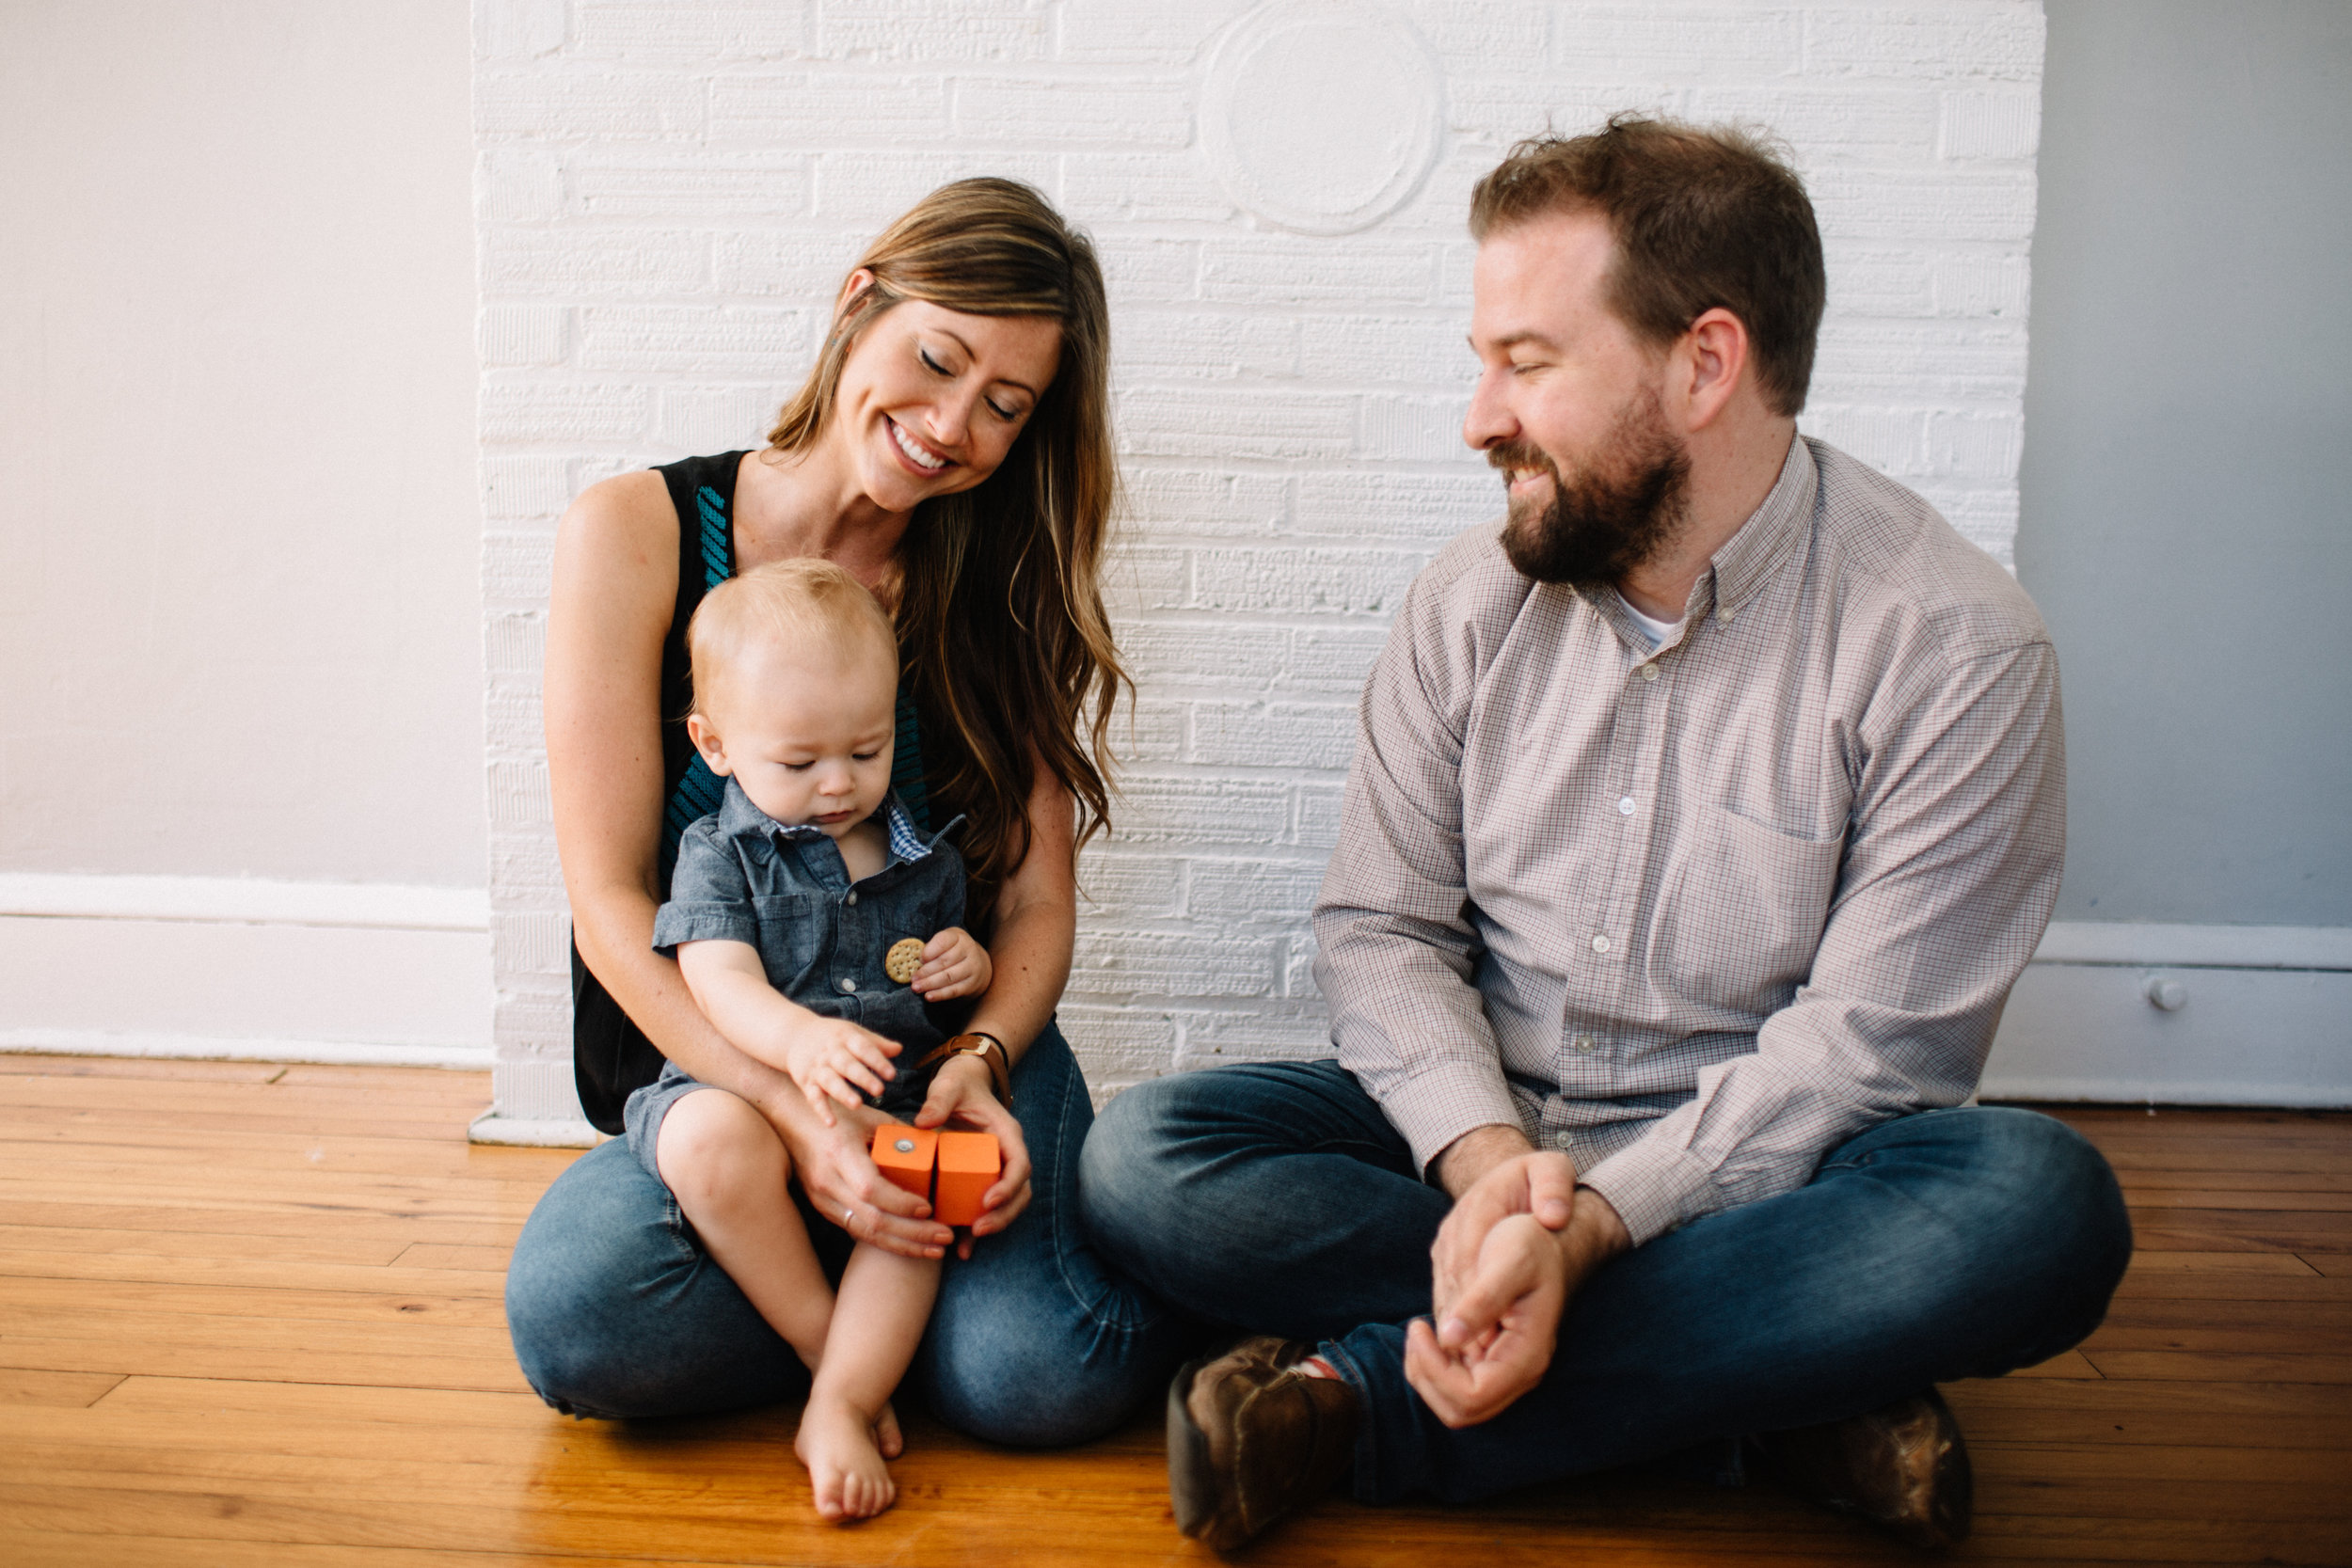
(668, 193)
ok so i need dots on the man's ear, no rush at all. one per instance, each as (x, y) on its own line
(1711, 362)
(705, 734)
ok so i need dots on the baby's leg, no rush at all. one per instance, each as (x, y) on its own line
(886, 1301)
(727, 1169)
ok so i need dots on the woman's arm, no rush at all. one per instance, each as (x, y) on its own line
(616, 589)
(1036, 925)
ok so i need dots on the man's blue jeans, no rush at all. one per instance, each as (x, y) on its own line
(1276, 1197)
(616, 1310)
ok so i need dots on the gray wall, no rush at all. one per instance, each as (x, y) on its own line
(2186, 489)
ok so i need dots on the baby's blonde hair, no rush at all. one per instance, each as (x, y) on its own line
(807, 603)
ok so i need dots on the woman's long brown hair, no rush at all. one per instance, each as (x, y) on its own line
(1002, 637)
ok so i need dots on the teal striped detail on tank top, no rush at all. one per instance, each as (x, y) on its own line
(699, 791)
(906, 764)
(717, 539)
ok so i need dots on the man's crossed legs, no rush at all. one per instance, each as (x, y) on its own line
(1276, 1197)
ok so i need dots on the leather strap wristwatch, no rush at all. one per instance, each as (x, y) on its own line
(992, 1052)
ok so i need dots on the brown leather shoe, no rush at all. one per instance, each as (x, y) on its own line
(1250, 1438)
(1903, 1465)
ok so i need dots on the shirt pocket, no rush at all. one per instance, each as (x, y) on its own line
(795, 938)
(1740, 916)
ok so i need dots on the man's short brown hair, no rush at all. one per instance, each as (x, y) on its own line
(1703, 216)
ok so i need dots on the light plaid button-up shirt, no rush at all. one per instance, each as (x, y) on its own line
(1695, 914)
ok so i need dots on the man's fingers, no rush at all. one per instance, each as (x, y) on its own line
(1551, 1190)
(1477, 1309)
(1442, 1381)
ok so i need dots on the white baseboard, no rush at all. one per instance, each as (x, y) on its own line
(242, 968)
(2263, 1017)
(64, 1042)
(517, 1131)
(532, 1102)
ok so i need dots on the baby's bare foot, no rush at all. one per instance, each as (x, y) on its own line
(886, 1435)
(846, 1472)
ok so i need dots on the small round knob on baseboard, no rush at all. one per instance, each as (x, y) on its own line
(2169, 995)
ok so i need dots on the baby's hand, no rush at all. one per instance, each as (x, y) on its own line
(954, 964)
(832, 1058)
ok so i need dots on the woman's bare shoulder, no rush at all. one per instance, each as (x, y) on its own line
(616, 550)
(630, 507)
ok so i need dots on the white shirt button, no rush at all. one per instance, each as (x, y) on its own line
(1564, 1140)
(848, 984)
(1601, 944)
(852, 897)
(1624, 806)
(1584, 1044)
(1650, 672)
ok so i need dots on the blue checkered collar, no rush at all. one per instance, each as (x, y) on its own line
(738, 817)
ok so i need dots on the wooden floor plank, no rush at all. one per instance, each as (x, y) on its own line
(218, 1349)
(66, 1390)
(403, 1271)
(2220, 1366)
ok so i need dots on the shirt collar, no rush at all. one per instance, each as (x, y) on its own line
(738, 816)
(1750, 557)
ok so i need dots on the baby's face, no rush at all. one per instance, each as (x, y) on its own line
(806, 733)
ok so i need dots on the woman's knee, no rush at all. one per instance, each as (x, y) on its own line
(567, 1277)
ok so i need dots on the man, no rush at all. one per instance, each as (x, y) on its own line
(1703, 813)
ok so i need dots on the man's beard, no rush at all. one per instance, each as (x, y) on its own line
(1623, 509)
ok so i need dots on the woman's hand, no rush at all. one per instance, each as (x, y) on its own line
(961, 1092)
(838, 1175)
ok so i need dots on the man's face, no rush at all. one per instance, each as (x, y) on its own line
(1567, 406)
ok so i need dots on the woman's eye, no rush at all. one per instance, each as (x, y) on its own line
(928, 363)
(1002, 412)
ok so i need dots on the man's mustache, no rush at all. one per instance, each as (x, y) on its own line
(1519, 454)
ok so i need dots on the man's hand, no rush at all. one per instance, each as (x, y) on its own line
(1496, 1333)
(1514, 1295)
(1498, 1175)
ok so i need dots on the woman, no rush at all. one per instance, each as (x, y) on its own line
(952, 449)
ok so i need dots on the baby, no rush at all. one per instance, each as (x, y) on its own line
(782, 908)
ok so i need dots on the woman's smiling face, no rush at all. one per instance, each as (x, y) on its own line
(931, 400)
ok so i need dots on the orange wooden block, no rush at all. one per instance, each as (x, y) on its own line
(905, 1154)
(969, 1163)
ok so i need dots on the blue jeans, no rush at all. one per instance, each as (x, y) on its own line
(617, 1311)
(1276, 1197)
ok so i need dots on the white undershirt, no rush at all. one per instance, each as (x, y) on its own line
(1656, 631)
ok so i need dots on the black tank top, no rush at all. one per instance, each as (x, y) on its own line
(610, 1056)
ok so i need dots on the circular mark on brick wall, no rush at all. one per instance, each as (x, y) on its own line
(1322, 118)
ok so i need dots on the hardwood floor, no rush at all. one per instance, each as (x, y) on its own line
(250, 1314)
